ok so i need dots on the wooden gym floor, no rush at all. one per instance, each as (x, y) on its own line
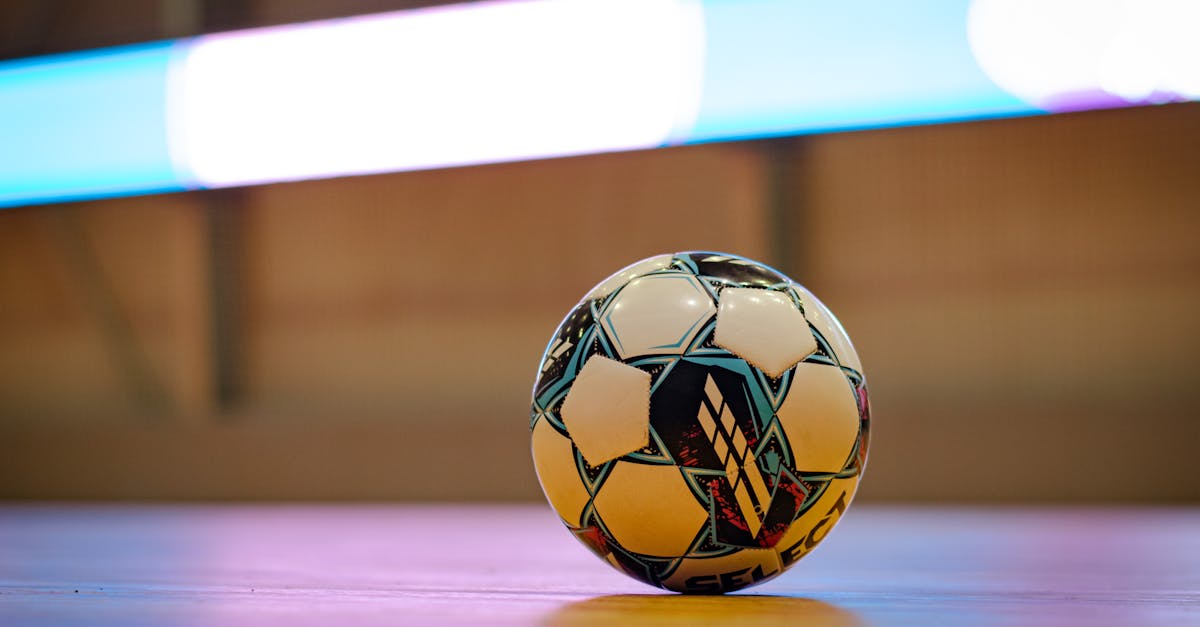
(514, 564)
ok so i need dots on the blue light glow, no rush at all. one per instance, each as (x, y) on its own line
(777, 68)
(85, 125)
(494, 81)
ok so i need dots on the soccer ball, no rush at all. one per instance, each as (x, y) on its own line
(700, 421)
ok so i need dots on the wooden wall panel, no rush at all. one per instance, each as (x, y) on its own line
(103, 310)
(426, 291)
(264, 12)
(34, 27)
(1023, 293)
(391, 325)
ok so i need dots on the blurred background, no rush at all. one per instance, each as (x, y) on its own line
(1023, 293)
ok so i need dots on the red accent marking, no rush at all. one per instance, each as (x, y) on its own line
(769, 537)
(794, 489)
(690, 445)
(864, 405)
(594, 539)
(751, 437)
(726, 510)
(687, 457)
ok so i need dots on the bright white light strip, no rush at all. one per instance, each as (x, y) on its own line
(484, 82)
(1079, 54)
(480, 83)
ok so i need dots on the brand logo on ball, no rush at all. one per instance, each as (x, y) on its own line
(732, 450)
(742, 474)
(739, 578)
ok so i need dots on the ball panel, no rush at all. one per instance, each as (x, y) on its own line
(649, 509)
(763, 327)
(607, 411)
(554, 461)
(733, 269)
(712, 575)
(606, 548)
(628, 273)
(820, 417)
(561, 349)
(657, 314)
(828, 326)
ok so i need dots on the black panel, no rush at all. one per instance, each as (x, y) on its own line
(735, 269)
(571, 329)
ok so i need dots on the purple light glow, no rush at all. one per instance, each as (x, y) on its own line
(1069, 55)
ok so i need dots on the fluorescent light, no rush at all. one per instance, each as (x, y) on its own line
(469, 84)
(1063, 55)
(774, 67)
(85, 125)
(499, 81)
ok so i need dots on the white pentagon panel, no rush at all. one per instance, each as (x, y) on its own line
(820, 418)
(819, 315)
(763, 327)
(554, 460)
(649, 509)
(607, 411)
(657, 314)
(624, 275)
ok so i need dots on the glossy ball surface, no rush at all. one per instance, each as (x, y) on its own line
(700, 421)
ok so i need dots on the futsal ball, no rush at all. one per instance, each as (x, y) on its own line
(700, 421)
